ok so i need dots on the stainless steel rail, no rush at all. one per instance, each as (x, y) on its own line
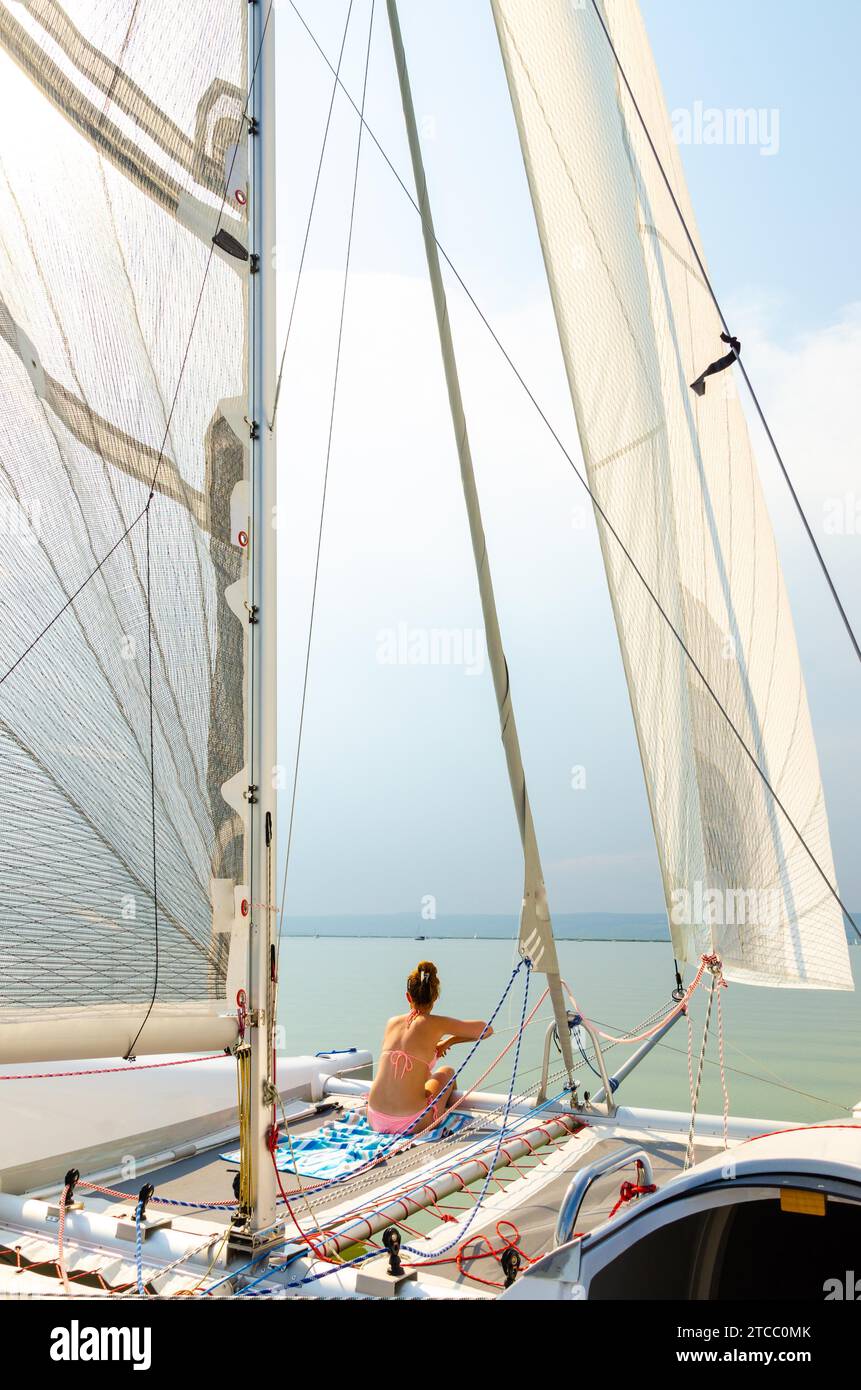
(606, 1089)
(585, 1177)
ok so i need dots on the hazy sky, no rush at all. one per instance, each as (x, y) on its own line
(402, 786)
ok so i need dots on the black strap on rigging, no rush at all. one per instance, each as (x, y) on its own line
(581, 477)
(720, 365)
(850, 632)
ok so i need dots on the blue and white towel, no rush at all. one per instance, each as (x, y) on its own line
(342, 1146)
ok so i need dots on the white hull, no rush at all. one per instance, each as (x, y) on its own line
(115, 1123)
(126, 1125)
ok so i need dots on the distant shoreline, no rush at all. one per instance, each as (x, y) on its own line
(626, 928)
(439, 936)
(410, 926)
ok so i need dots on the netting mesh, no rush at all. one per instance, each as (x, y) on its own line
(676, 476)
(121, 122)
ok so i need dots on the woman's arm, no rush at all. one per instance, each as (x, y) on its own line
(463, 1030)
(443, 1046)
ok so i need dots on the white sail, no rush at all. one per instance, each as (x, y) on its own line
(676, 477)
(122, 122)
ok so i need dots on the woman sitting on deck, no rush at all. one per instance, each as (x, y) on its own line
(405, 1083)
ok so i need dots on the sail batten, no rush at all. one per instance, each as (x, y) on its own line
(117, 383)
(676, 477)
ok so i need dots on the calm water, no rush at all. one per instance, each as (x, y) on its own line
(338, 993)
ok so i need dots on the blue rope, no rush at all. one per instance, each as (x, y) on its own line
(579, 1042)
(193, 1206)
(398, 1138)
(139, 1249)
(614, 1080)
(491, 1167)
(345, 1264)
(435, 1254)
(309, 1278)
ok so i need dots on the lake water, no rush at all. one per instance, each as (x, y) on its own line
(339, 992)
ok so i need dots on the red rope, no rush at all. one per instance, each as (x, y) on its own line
(106, 1071)
(463, 1255)
(357, 1214)
(678, 1008)
(21, 1268)
(629, 1190)
(154, 1199)
(272, 1145)
(795, 1130)
(61, 1263)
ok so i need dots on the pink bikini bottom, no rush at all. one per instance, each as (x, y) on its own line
(397, 1124)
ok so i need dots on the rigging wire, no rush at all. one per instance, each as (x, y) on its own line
(771, 1079)
(144, 513)
(595, 502)
(309, 221)
(335, 382)
(759, 410)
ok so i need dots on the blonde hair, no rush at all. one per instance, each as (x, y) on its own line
(423, 985)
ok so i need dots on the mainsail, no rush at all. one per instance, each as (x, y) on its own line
(122, 344)
(676, 477)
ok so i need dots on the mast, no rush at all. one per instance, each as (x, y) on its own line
(536, 930)
(262, 604)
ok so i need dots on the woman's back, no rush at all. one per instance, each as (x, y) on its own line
(406, 1091)
(406, 1059)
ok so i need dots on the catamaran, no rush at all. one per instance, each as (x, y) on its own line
(154, 1142)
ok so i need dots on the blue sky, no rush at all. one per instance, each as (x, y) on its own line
(403, 793)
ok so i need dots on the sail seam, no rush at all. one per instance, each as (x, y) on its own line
(631, 446)
(668, 246)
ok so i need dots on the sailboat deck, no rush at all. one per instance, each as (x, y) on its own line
(526, 1196)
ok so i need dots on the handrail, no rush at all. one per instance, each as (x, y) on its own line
(606, 1090)
(583, 1180)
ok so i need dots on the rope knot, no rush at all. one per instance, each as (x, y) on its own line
(714, 965)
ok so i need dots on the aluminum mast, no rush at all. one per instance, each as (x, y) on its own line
(262, 598)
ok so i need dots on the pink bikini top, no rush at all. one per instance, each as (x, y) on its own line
(402, 1062)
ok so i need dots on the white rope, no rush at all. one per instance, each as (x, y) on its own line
(715, 969)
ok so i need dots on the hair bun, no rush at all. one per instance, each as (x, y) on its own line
(423, 984)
